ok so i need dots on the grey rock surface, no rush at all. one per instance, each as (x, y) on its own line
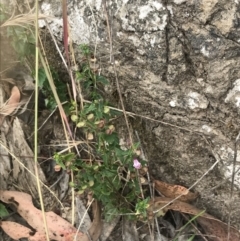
(178, 62)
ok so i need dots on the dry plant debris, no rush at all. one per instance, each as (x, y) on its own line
(11, 104)
(214, 228)
(173, 191)
(58, 228)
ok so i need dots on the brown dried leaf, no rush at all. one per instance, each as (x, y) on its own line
(219, 229)
(173, 191)
(58, 228)
(11, 104)
(96, 227)
(212, 226)
(17, 231)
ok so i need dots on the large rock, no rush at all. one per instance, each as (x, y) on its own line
(178, 63)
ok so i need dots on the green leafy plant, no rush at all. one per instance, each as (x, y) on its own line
(22, 40)
(141, 207)
(88, 77)
(43, 84)
(106, 168)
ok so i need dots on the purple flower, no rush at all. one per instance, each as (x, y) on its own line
(136, 164)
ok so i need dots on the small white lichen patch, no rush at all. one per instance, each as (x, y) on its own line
(226, 154)
(135, 40)
(201, 81)
(209, 89)
(233, 95)
(206, 128)
(157, 5)
(79, 29)
(179, 1)
(164, 22)
(170, 9)
(172, 103)
(144, 11)
(152, 41)
(46, 7)
(195, 100)
(192, 100)
(204, 51)
(98, 4)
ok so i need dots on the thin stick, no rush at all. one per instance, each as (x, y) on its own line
(144, 158)
(36, 126)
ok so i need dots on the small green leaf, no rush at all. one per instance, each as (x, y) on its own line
(3, 211)
(41, 77)
(90, 108)
(113, 138)
(102, 80)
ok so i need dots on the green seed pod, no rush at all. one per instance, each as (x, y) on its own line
(90, 117)
(111, 127)
(84, 187)
(80, 192)
(74, 118)
(106, 109)
(91, 183)
(81, 124)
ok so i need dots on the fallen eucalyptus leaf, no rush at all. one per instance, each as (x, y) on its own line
(173, 191)
(58, 228)
(11, 104)
(216, 229)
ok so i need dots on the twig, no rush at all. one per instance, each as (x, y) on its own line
(144, 158)
(36, 125)
(79, 226)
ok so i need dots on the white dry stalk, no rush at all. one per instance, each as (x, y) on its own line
(23, 19)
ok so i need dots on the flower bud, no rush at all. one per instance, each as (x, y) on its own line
(136, 164)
